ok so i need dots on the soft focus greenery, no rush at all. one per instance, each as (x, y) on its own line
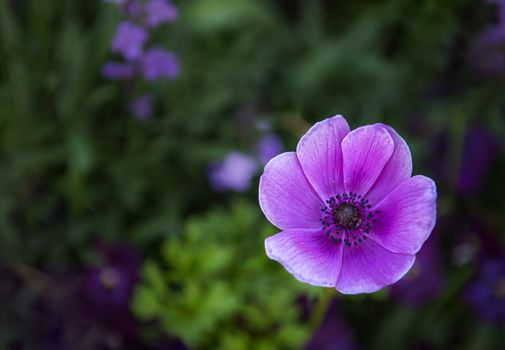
(216, 290)
(76, 168)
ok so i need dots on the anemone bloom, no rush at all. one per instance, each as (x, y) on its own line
(351, 215)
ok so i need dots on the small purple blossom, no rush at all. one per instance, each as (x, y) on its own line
(425, 281)
(129, 40)
(142, 107)
(486, 295)
(158, 63)
(351, 215)
(268, 147)
(234, 173)
(159, 11)
(118, 71)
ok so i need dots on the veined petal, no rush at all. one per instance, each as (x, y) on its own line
(307, 254)
(397, 170)
(285, 195)
(365, 151)
(368, 267)
(406, 216)
(320, 155)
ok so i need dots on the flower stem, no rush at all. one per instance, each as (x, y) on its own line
(320, 309)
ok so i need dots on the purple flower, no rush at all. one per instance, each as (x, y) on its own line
(142, 107)
(234, 173)
(129, 40)
(486, 295)
(158, 63)
(268, 147)
(118, 71)
(159, 11)
(351, 215)
(425, 281)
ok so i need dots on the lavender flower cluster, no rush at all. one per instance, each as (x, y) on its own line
(139, 61)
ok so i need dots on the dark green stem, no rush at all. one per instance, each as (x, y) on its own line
(321, 308)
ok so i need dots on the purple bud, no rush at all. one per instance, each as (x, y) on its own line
(158, 63)
(129, 40)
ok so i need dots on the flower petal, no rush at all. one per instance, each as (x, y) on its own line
(320, 155)
(285, 195)
(307, 254)
(365, 151)
(368, 267)
(397, 170)
(406, 216)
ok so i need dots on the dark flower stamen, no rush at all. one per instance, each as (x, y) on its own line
(347, 218)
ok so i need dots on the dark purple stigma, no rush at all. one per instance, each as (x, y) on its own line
(348, 218)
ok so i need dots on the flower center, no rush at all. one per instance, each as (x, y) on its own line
(348, 218)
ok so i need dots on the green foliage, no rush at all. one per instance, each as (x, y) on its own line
(215, 288)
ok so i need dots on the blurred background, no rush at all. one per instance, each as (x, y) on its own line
(133, 133)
